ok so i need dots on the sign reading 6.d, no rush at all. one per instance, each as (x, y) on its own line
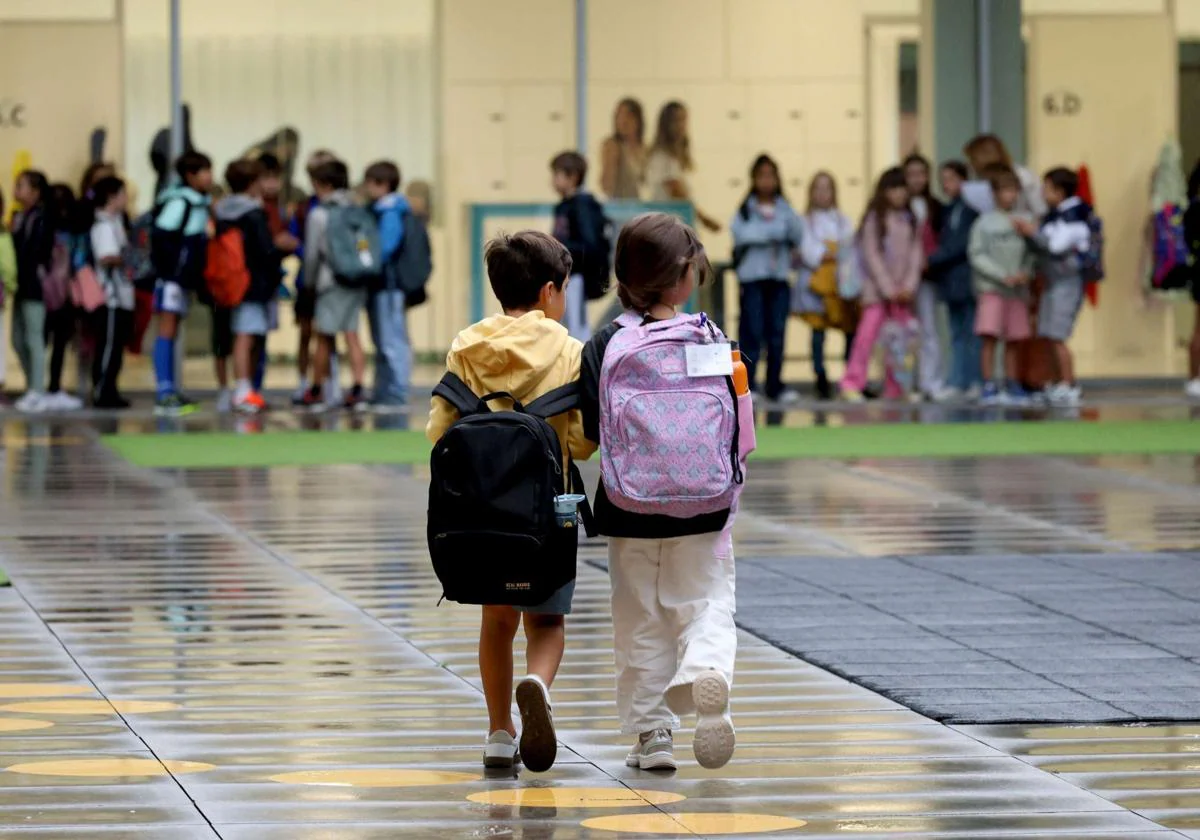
(1061, 103)
(12, 113)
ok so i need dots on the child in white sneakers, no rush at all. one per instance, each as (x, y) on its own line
(669, 527)
(526, 353)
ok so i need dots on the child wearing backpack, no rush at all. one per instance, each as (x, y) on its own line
(1063, 242)
(248, 259)
(526, 354)
(340, 240)
(111, 323)
(8, 286)
(892, 256)
(387, 304)
(580, 225)
(33, 241)
(178, 243)
(657, 389)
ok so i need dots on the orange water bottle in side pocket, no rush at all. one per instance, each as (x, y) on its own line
(741, 376)
(747, 438)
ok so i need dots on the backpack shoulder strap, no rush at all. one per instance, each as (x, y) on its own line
(553, 403)
(454, 391)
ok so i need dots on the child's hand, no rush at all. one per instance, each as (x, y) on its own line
(1024, 227)
(286, 242)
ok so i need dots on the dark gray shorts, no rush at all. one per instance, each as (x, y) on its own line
(1059, 308)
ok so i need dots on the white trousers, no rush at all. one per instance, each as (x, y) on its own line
(575, 319)
(931, 378)
(673, 605)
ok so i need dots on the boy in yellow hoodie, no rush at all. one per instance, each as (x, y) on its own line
(525, 352)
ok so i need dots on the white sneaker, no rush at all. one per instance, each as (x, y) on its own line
(224, 401)
(714, 740)
(32, 403)
(788, 396)
(1192, 389)
(973, 393)
(654, 751)
(500, 751)
(946, 395)
(539, 743)
(62, 401)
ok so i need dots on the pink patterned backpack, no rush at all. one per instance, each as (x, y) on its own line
(670, 443)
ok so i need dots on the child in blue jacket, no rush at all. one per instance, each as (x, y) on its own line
(950, 268)
(766, 233)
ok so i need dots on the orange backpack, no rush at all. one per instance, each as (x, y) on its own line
(225, 273)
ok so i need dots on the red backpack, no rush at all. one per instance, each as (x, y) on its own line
(225, 273)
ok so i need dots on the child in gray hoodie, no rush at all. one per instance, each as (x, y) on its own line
(1002, 266)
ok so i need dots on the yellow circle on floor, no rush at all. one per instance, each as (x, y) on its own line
(90, 707)
(374, 778)
(22, 724)
(575, 797)
(689, 824)
(21, 690)
(109, 767)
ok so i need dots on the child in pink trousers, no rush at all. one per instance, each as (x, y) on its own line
(891, 258)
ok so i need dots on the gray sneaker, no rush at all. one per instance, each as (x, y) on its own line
(500, 751)
(654, 751)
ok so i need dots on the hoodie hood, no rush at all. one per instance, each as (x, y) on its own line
(341, 198)
(503, 353)
(233, 207)
(392, 203)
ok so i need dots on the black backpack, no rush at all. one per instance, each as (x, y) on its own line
(414, 263)
(493, 534)
(596, 265)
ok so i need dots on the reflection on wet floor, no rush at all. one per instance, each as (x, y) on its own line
(257, 655)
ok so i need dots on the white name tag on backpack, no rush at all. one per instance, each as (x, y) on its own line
(709, 360)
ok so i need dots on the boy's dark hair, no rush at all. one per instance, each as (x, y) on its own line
(104, 189)
(571, 164)
(1001, 176)
(333, 174)
(242, 174)
(958, 168)
(192, 163)
(654, 253)
(270, 164)
(520, 264)
(1064, 179)
(384, 172)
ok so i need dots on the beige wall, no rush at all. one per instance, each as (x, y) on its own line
(64, 102)
(1123, 70)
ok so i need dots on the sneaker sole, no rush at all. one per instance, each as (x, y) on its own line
(499, 762)
(714, 740)
(657, 761)
(539, 743)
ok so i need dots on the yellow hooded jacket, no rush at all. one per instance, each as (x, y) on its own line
(527, 357)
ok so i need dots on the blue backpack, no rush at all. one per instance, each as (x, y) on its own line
(1091, 263)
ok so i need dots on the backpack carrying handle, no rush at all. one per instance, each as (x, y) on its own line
(482, 407)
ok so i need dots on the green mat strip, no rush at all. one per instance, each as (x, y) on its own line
(222, 449)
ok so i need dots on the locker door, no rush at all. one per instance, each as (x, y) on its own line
(537, 127)
(475, 142)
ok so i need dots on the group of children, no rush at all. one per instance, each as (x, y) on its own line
(53, 235)
(884, 281)
(350, 263)
(672, 576)
(69, 262)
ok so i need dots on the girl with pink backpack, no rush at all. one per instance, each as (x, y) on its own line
(674, 425)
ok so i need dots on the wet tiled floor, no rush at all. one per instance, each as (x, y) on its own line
(258, 655)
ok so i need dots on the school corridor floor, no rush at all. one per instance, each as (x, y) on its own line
(1003, 647)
